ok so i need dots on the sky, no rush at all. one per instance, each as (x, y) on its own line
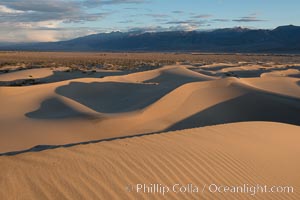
(55, 20)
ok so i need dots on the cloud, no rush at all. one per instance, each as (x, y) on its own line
(63, 10)
(22, 19)
(193, 22)
(41, 6)
(44, 20)
(220, 20)
(147, 29)
(181, 27)
(5, 9)
(177, 12)
(157, 15)
(253, 17)
(22, 33)
(92, 3)
(190, 22)
(202, 16)
(43, 32)
(184, 27)
(131, 8)
(36, 11)
(27, 17)
(187, 25)
(126, 21)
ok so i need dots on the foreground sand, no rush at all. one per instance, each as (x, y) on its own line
(232, 154)
(90, 135)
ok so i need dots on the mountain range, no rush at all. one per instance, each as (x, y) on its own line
(283, 39)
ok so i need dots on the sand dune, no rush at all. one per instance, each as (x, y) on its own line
(231, 154)
(170, 98)
(26, 74)
(50, 75)
(247, 70)
(282, 85)
(248, 114)
(283, 73)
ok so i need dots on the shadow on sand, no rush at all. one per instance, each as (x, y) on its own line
(116, 97)
(242, 73)
(54, 108)
(254, 106)
(61, 76)
(113, 97)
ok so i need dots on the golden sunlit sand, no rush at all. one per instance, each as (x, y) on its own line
(233, 154)
(74, 135)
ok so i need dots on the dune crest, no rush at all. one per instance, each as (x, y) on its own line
(169, 98)
(95, 134)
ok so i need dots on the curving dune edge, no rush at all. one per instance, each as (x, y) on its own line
(99, 135)
(232, 154)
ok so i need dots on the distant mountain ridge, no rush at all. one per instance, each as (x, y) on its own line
(281, 39)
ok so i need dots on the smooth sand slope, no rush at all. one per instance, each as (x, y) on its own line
(50, 75)
(232, 154)
(78, 135)
(170, 98)
(26, 74)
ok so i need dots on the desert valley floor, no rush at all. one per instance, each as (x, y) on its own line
(90, 135)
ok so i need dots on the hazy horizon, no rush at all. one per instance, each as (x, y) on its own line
(57, 20)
